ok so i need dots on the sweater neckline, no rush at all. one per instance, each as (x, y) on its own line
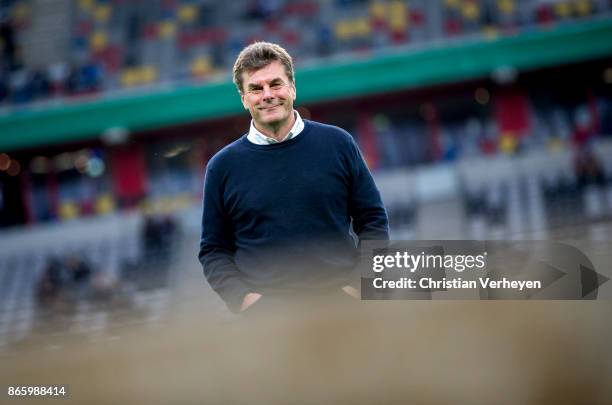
(284, 144)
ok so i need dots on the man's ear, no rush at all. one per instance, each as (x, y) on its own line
(294, 92)
(244, 104)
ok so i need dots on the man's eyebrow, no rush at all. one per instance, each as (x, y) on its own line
(275, 80)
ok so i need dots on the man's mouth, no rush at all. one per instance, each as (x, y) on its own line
(269, 108)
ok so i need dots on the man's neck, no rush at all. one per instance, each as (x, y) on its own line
(278, 133)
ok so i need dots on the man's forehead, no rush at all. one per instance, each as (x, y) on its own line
(271, 71)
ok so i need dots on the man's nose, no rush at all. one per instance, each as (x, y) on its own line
(267, 92)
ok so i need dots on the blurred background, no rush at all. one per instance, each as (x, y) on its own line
(480, 119)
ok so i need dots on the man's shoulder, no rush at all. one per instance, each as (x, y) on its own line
(331, 132)
(228, 154)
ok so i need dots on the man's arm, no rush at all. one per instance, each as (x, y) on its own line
(366, 208)
(217, 246)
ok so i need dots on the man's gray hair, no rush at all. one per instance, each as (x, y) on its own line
(258, 55)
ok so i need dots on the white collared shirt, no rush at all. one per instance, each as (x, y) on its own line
(256, 137)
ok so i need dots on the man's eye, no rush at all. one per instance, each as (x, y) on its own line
(255, 91)
(276, 86)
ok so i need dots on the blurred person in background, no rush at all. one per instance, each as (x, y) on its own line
(280, 202)
(78, 269)
(52, 281)
(588, 169)
(65, 278)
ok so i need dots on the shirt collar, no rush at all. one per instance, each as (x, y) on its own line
(256, 137)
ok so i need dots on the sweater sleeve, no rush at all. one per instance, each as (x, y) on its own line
(365, 203)
(217, 246)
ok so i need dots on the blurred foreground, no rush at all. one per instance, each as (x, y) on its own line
(124, 314)
(378, 352)
(175, 342)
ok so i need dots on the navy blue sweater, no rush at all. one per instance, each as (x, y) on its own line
(278, 217)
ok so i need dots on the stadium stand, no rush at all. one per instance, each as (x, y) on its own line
(83, 274)
(105, 45)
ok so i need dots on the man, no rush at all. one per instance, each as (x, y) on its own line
(279, 202)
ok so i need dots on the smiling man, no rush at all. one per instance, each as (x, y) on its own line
(285, 205)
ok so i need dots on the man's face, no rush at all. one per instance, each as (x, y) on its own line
(268, 94)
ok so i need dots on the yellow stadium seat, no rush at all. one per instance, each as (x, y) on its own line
(102, 12)
(361, 27)
(104, 204)
(343, 29)
(378, 10)
(508, 142)
(129, 77)
(139, 76)
(167, 29)
(148, 74)
(397, 16)
(397, 7)
(201, 66)
(86, 5)
(490, 32)
(563, 9)
(505, 6)
(98, 41)
(68, 210)
(583, 7)
(470, 10)
(187, 13)
(397, 23)
(452, 3)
